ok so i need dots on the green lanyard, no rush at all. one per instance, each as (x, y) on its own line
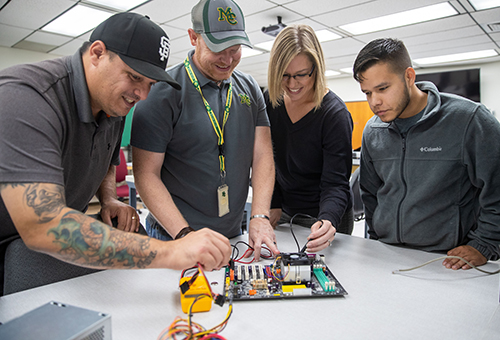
(213, 119)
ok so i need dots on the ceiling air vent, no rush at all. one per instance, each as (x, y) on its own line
(494, 26)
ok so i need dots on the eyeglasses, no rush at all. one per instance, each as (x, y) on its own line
(299, 77)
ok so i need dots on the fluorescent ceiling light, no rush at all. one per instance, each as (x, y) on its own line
(267, 45)
(76, 21)
(330, 73)
(123, 5)
(484, 4)
(346, 70)
(248, 52)
(456, 57)
(326, 35)
(401, 19)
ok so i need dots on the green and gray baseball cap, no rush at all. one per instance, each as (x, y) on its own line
(220, 23)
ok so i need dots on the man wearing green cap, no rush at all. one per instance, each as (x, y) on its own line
(193, 149)
(60, 135)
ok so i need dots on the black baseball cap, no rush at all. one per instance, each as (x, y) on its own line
(140, 43)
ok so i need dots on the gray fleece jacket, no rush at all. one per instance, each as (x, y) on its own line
(439, 187)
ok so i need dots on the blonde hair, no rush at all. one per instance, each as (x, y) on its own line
(290, 42)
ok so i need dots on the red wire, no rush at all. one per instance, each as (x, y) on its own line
(206, 280)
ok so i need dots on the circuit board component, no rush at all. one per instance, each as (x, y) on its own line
(291, 275)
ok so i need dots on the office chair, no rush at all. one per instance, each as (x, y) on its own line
(26, 269)
(121, 172)
(357, 206)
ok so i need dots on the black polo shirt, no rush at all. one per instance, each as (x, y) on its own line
(48, 133)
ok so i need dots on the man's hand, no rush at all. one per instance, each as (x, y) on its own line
(275, 217)
(128, 219)
(210, 248)
(322, 235)
(261, 232)
(469, 253)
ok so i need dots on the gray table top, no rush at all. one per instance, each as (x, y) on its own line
(429, 303)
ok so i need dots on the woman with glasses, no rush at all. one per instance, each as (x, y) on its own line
(311, 130)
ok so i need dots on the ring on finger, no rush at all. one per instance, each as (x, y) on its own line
(133, 217)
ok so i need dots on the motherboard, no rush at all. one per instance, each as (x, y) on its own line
(291, 275)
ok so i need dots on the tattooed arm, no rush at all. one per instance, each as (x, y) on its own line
(47, 225)
(128, 220)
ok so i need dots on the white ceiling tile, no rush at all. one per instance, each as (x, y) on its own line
(341, 47)
(337, 63)
(175, 32)
(68, 49)
(306, 21)
(33, 13)
(443, 36)
(33, 46)
(48, 38)
(254, 6)
(183, 22)
(316, 7)
(282, 2)
(258, 37)
(487, 16)
(9, 35)
(496, 37)
(85, 36)
(463, 44)
(181, 45)
(162, 11)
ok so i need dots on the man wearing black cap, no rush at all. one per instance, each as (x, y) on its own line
(193, 149)
(62, 122)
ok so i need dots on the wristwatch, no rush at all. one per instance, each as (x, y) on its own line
(260, 216)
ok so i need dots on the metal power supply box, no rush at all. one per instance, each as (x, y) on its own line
(58, 321)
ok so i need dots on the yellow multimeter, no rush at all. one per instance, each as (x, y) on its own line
(194, 290)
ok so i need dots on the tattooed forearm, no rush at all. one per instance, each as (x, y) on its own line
(11, 185)
(47, 200)
(86, 241)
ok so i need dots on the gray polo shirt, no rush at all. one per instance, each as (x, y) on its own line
(176, 123)
(48, 133)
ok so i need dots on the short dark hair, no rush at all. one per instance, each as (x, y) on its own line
(85, 46)
(386, 50)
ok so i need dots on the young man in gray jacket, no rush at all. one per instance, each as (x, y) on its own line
(429, 162)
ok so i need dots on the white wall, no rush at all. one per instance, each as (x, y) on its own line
(14, 56)
(348, 89)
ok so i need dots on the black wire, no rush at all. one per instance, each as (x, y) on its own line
(233, 257)
(237, 254)
(186, 270)
(291, 228)
(235, 246)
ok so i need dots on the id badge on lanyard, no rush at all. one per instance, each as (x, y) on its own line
(222, 190)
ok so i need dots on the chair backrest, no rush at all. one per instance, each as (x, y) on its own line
(25, 268)
(121, 170)
(357, 206)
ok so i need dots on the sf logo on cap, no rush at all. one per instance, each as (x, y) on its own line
(227, 15)
(164, 48)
